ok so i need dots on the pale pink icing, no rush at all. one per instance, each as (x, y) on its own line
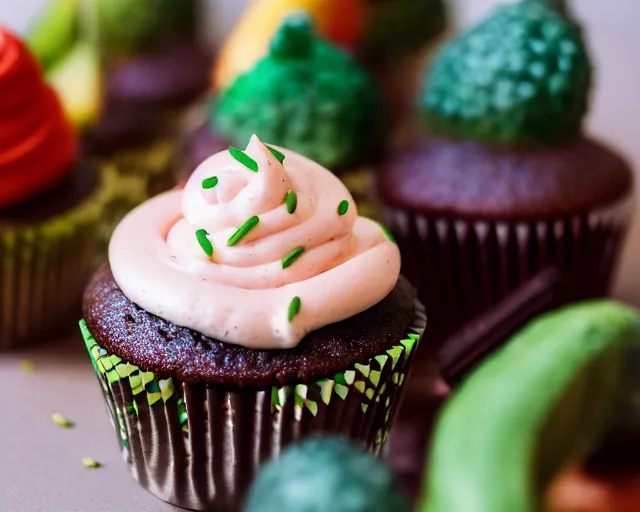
(241, 294)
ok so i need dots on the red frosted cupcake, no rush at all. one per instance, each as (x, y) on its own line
(51, 202)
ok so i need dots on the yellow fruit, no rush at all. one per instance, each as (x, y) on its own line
(77, 80)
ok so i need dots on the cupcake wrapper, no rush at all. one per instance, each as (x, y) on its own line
(199, 446)
(464, 267)
(45, 268)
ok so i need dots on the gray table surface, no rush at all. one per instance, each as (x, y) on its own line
(40, 463)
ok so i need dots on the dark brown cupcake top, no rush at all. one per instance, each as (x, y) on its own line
(155, 345)
(469, 179)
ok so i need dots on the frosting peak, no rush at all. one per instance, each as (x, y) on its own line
(37, 143)
(261, 247)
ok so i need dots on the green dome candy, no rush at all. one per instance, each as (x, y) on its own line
(306, 95)
(325, 475)
(522, 76)
(136, 25)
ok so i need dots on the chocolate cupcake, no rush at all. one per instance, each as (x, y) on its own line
(51, 203)
(506, 183)
(307, 95)
(246, 311)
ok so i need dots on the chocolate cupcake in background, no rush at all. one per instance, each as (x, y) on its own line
(51, 203)
(506, 183)
(307, 95)
(251, 309)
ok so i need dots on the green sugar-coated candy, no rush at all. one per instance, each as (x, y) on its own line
(306, 95)
(542, 400)
(522, 76)
(325, 475)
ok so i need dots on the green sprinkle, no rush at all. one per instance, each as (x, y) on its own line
(210, 182)
(291, 257)
(276, 153)
(204, 242)
(291, 200)
(243, 231)
(343, 207)
(388, 234)
(294, 308)
(244, 159)
(88, 462)
(27, 366)
(61, 421)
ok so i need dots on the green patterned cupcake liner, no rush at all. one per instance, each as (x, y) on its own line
(198, 445)
(45, 267)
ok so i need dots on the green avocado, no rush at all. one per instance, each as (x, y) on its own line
(306, 95)
(55, 31)
(522, 76)
(325, 475)
(543, 400)
(139, 25)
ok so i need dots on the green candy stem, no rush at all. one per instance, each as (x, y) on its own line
(291, 200)
(244, 159)
(290, 258)
(294, 39)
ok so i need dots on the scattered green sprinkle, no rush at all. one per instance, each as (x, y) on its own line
(210, 182)
(88, 462)
(290, 258)
(294, 308)
(27, 366)
(291, 200)
(388, 234)
(343, 207)
(243, 231)
(61, 421)
(244, 159)
(276, 153)
(204, 242)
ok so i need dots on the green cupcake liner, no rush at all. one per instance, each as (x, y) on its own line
(199, 445)
(45, 267)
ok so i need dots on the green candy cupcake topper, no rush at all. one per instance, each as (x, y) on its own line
(307, 95)
(522, 76)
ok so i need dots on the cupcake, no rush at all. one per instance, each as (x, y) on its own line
(506, 183)
(307, 95)
(51, 203)
(244, 312)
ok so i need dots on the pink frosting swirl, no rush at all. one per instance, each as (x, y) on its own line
(231, 258)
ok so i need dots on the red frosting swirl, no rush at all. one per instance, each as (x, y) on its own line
(37, 143)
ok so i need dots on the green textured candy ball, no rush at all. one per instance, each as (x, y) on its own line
(135, 25)
(325, 475)
(522, 76)
(306, 95)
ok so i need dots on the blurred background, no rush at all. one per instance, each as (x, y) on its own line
(614, 38)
